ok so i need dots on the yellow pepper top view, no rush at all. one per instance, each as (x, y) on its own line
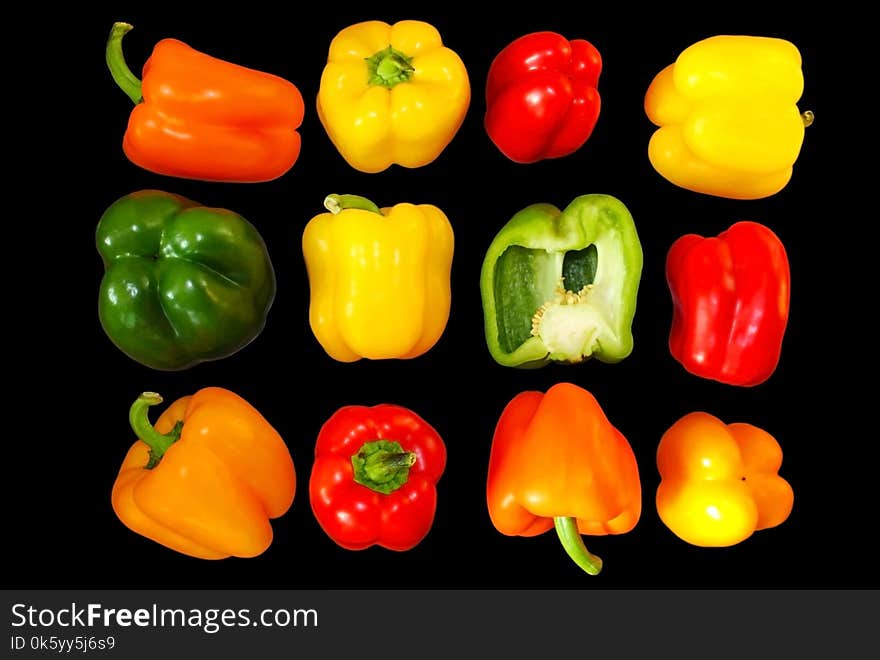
(729, 123)
(392, 94)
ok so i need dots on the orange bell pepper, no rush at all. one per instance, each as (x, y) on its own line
(556, 460)
(207, 478)
(719, 482)
(199, 117)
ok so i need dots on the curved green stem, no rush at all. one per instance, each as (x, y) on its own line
(127, 81)
(338, 203)
(566, 528)
(389, 67)
(382, 465)
(138, 417)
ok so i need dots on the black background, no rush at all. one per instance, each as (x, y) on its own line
(65, 532)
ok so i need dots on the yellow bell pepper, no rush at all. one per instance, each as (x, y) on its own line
(720, 482)
(379, 278)
(392, 94)
(729, 123)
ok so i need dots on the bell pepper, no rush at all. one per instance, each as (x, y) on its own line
(556, 461)
(207, 478)
(720, 482)
(199, 117)
(562, 286)
(183, 283)
(374, 479)
(729, 123)
(541, 96)
(730, 297)
(379, 278)
(392, 94)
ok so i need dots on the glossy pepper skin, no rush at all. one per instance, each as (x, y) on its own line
(542, 98)
(556, 461)
(730, 298)
(379, 278)
(374, 479)
(206, 480)
(729, 123)
(720, 482)
(562, 285)
(198, 117)
(183, 283)
(392, 94)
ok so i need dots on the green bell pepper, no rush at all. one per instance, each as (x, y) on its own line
(562, 286)
(182, 283)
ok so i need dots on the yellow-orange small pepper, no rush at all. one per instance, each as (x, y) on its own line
(729, 123)
(379, 278)
(719, 482)
(392, 94)
(207, 478)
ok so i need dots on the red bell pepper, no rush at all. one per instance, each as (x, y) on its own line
(730, 298)
(541, 96)
(374, 478)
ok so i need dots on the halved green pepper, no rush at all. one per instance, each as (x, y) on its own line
(562, 285)
(183, 283)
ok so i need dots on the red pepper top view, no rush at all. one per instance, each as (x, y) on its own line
(542, 99)
(374, 478)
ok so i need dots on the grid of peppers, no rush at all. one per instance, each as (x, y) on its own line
(185, 283)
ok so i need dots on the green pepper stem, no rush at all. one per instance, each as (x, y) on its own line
(808, 118)
(138, 417)
(566, 528)
(389, 67)
(127, 81)
(382, 465)
(338, 203)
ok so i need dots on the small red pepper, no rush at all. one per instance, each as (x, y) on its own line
(374, 478)
(730, 297)
(541, 96)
